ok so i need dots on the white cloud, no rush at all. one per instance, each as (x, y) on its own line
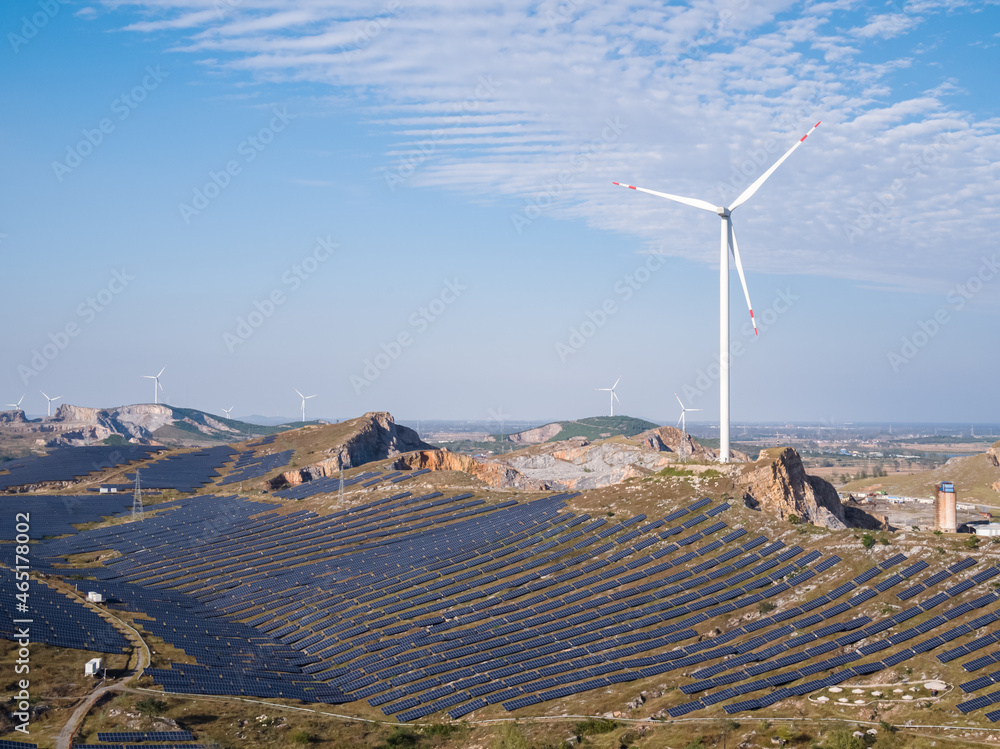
(517, 97)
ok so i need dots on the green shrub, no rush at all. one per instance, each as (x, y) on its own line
(402, 738)
(595, 726)
(868, 540)
(151, 707)
(511, 736)
(302, 737)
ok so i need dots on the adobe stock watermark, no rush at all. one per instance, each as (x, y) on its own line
(249, 149)
(878, 208)
(121, 106)
(595, 319)
(38, 20)
(291, 281)
(707, 377)
(955, 301)
(418, 321)
(553, 188)
(86, 312)
(406, 167)
(370, 30)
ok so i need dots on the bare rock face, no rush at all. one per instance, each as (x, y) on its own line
(777, 483)
(535, 436)
(993, 455)
(491, 473)
(672, 439)
(378, 437)
(12, 417)
(575, 465)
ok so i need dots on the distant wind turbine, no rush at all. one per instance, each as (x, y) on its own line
(156, 384)
(16, 406)
(728, 245)
(614, 395)
(304, 399)
(50, 400)
(681, 422)
(228, 411)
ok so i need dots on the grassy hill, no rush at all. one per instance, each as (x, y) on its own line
(592, 428)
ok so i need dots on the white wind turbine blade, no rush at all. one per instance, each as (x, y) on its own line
(161, 371)
(616, 383)
(297, 391)
(748, 193)
(735, 248)
(703, 204)
(679, 420)
(43, 393)
(679, 400)
(615, 395)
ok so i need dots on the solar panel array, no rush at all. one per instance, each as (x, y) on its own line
(251, 466)
(185, 472)
(70, 463)
(55, 515)
(129, 736)
(438, 604)
(56, 619)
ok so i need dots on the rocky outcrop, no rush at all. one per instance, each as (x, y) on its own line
(993, 455)
(777, 483)
(77, 425)
(533, 436)
(377, 437)
(491, 473)
(672, 439)
(575, 465)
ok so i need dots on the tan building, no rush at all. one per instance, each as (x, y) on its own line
(945, 509)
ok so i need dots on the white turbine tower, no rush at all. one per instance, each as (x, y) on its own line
(156, 384)
(304, 399)
(681, 422)
(50, 400)
(614, 395)
(228, 411)
(728, 245)
(16, 406)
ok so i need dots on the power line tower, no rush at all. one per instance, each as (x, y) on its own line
(137, 513)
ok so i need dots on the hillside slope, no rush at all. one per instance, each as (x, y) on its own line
(143, 423)
(976, 478)
(592, 428)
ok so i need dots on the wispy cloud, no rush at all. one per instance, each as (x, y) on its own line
(706, 91)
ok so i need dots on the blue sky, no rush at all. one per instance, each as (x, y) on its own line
(416, 209)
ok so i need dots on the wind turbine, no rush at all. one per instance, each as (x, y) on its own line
(681, 422)
(156, 383)
(16, 406)
(228, 411)
(304, 399)
(614, 395)
(728, 245)
(50, 400)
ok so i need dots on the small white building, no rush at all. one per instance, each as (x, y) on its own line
(987, 529)
(95, 597)
(93, 667)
